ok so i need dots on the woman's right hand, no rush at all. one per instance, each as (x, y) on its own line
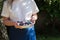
(17, 26)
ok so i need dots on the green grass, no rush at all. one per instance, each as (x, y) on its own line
(47, 38)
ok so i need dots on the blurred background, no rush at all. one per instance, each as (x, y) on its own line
(48, 24)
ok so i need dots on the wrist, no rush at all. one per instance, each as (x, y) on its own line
(13, 24)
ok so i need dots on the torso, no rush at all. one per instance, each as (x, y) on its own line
(21, 10)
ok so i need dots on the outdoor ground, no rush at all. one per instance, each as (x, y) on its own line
(47, 38)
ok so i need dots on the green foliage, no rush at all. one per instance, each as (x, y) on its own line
(49, 16)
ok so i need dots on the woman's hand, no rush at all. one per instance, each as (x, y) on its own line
(33, 18)
(18, 26)
(22, 27)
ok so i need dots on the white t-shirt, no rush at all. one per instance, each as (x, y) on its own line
(21, 10)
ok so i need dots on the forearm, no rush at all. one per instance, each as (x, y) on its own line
(8, 23)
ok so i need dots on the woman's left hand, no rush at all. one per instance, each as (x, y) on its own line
(34, 18)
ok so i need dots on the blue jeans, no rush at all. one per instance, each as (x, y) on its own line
(21, 34)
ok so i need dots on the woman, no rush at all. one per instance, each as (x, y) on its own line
(19, 17)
